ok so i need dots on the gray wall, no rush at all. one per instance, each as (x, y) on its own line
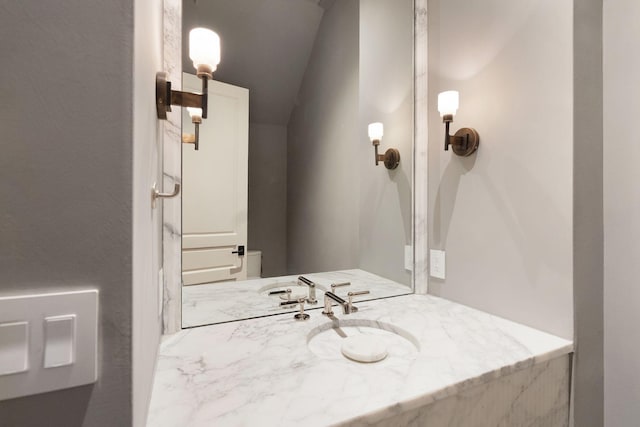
(343, 211)
(504, 215)
(66, 187)
(621, 211)
(267, 228)
(322, 180)
(587, 372)
(385, 95)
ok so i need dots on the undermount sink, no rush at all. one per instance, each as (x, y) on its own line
(362, 340)
(297, 290)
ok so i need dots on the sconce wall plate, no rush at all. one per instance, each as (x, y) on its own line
(166, 97)
(391, 158)
(163, 95)
(465, 142)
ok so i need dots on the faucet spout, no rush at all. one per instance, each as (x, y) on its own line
(329, 298)
(312, 289)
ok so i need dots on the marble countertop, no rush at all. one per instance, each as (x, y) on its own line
(223, 302)
(261, 371)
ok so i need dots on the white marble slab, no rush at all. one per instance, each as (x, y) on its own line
(261, 372)
(532, 397)
(172, 172)
(420, 152)
(223, 302)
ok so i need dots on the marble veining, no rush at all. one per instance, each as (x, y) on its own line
(224, 302)
(172, 171)
(534, 397)
(420, 152)
(261, 372)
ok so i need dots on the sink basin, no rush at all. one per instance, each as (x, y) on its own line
(362, 340)
(297, 291)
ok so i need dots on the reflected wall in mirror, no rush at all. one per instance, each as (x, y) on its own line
(285, 182)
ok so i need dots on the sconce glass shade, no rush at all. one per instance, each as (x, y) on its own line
(448, 102)
(194, 112)
(376, 130)
(204, 48)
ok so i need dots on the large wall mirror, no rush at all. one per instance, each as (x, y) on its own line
(284, 190)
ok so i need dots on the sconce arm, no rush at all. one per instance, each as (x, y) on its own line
(464, 142)
(166, 97)
(378, 157)
(456, 140)
(187, 99)
(390, 158)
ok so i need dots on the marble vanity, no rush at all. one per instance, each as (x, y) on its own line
(467, 368)
(216, 303)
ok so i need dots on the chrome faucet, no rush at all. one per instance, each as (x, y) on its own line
(311, 299)
(347, 306)
(329, 297)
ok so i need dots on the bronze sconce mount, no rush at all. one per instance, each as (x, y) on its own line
(391, 157)
(166, 97)
(464, 142)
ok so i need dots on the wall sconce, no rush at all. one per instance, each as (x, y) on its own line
(391, 157)
(466, 140)
(204, 51)
(196, 119)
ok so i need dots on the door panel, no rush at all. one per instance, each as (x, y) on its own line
(215, 180)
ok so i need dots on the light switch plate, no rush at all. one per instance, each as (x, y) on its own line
(437, 265)
(60, 306)
(408, 258)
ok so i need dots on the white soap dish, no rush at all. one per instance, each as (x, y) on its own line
(364, 348)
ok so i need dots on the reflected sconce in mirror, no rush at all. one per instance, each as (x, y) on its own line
(204, 51)
(391, 157)
(196, 119)
(466, 140)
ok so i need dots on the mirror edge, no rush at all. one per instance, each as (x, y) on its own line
(171, 281)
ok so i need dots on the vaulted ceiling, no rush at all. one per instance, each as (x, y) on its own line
(265, 45)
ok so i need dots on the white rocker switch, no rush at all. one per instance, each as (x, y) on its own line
(14, 347)
(60, 341)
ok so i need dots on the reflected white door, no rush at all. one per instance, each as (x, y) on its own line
(214, 187)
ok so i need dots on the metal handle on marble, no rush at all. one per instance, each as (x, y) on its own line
(312, 289)
(292, 302)
(339, 285)
(352, 307)
(155, 194)
(301, 315)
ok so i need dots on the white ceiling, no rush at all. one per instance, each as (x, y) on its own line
(265, 46)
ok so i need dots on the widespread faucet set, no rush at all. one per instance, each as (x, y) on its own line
(329, 298)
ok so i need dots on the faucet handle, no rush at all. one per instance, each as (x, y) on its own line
(353, 308)
(312, 289)
(301, 315)
(339, 285)
(283, 294)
